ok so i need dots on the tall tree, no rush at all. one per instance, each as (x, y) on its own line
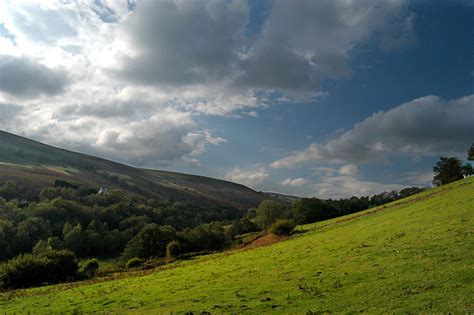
(268, 212)
(470, 153)
(150, 242)
(447, 170)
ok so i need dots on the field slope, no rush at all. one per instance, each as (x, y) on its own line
(35, 165)
(413, 255)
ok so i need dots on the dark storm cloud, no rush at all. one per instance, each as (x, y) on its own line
(302, 42)
(24, 78)
(183, 42)
(108, 110)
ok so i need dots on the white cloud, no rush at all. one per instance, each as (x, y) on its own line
(418, 178)
(86, 110)
(349, 169)
(424, 126)
(162, 137)
(252, 114)
(346, 186)
(251, 178)
(327, 171)
(296, 182)
(137, 79)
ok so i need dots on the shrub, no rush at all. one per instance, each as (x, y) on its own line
(28, 270)
(134, 263)
(283, 227)
(62, 265)
(90, 267)
(174, 249)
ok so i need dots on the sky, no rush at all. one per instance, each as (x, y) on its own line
(328, 99)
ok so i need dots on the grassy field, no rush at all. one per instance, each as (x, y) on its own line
(415, 255)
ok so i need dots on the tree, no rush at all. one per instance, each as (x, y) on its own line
(447, 170)
(203, 237)
(309, 210)
(407, 192)
(7, 239)
(150, 242)
(31, 230)
(470, 153)
(74, 239)
(268, 212)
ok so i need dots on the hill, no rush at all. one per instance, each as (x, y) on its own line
(287, 199)
(413, 255)
(34, 165)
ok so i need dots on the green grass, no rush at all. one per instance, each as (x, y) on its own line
(414, 255)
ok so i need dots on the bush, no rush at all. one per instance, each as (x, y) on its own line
(283, 227)
(28, 270)
(90, 267)
(134, 263)
(174, 249)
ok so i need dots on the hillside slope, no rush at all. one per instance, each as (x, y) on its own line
(35, 165)
(414, 255)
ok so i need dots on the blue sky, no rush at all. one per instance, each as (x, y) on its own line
(313, 98)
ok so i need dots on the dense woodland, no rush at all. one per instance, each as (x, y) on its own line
(114, 224)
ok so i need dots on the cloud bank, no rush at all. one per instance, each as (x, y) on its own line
(294, 182)
(424, 126)
(126, 80)
(251, 178)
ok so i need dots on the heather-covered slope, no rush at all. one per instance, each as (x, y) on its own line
(35, 165)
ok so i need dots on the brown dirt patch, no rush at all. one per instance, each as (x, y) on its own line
(265, 240)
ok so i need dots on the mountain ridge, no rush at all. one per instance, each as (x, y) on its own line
(34, 165)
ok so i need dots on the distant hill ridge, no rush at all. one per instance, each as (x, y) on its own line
(36, 165)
